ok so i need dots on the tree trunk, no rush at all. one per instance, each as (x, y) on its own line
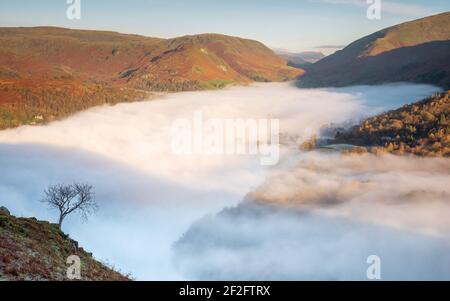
(61, 218)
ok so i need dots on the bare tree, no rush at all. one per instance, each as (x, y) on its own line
(71, 198)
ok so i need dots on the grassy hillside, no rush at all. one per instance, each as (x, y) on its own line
(417, 51)
(36, 250)
(422, 128)
(212, 57)
(434, 28)
(48, 73)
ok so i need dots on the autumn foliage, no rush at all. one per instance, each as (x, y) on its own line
(47, 73)
(422, 128)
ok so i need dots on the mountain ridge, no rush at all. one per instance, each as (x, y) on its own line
(47, 73)
(416, 51)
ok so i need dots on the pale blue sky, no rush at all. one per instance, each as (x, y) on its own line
(291, 24)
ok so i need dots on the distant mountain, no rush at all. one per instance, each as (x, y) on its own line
(48, 72)
(300, 59)
(38, 251)
(416, 51)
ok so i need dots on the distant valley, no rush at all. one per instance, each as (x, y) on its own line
(301, 59)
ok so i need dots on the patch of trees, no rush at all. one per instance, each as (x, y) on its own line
(169, 86)
(56, 100)
(422, 128)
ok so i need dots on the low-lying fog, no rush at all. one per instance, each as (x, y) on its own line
(336, 212)
(150, 197)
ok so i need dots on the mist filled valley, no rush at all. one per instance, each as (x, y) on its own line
(314, 215)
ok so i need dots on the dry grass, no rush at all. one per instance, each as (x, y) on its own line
(37, 250)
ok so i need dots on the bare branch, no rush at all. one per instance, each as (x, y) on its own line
(71, 198)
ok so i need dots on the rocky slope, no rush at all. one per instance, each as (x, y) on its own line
(417, 51)
(35, 250)
(48, 73)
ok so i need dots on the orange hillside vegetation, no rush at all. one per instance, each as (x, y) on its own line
(48, 73)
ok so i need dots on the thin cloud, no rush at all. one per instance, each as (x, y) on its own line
(389, 7)
(330, 46)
